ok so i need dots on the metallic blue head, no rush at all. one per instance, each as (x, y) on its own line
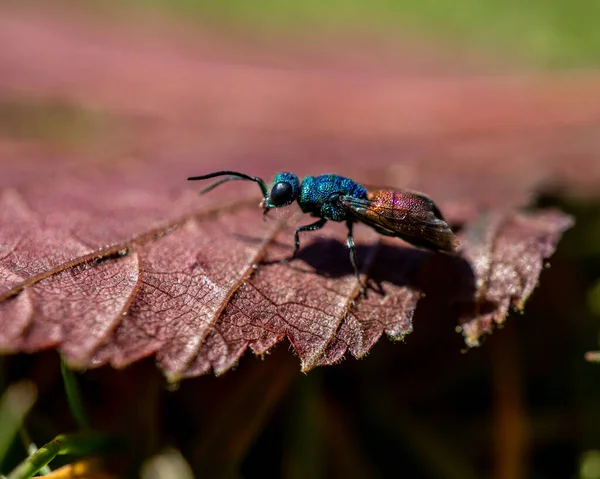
(285, 190)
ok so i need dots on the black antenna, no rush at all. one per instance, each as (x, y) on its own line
(230, 176)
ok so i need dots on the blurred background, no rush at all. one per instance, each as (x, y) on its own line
(512, 86)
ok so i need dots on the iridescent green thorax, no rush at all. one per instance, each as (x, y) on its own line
(319, 194)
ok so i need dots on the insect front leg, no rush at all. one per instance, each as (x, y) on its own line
(352, 248)
(317, 225)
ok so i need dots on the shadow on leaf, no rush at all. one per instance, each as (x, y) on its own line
(436, 274)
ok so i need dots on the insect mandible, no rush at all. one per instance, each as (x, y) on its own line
(403, 214)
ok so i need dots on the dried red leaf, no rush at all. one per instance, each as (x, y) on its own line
(507, 255)
(115, 267)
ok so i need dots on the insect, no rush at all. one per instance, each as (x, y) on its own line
(410, 216)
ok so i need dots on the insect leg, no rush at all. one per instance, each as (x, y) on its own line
(317, 225)
(352, 248)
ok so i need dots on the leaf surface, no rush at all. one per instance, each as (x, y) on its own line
(109, 269)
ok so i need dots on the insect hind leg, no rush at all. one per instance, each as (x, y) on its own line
(353, 260)
(317, 225)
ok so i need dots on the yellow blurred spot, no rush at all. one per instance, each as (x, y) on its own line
(589, 467)
(88, 469)
(169, 464)
(592, 356)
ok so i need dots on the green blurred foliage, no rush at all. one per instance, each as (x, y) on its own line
(553, 33)
(54, 121)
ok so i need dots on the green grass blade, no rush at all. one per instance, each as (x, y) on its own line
(36, 461)
(31, 448)
(15, 403)
(79, 444)
(74, 396)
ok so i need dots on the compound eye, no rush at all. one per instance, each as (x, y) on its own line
(281, 194)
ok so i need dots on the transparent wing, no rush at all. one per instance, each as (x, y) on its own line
(410, 216)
